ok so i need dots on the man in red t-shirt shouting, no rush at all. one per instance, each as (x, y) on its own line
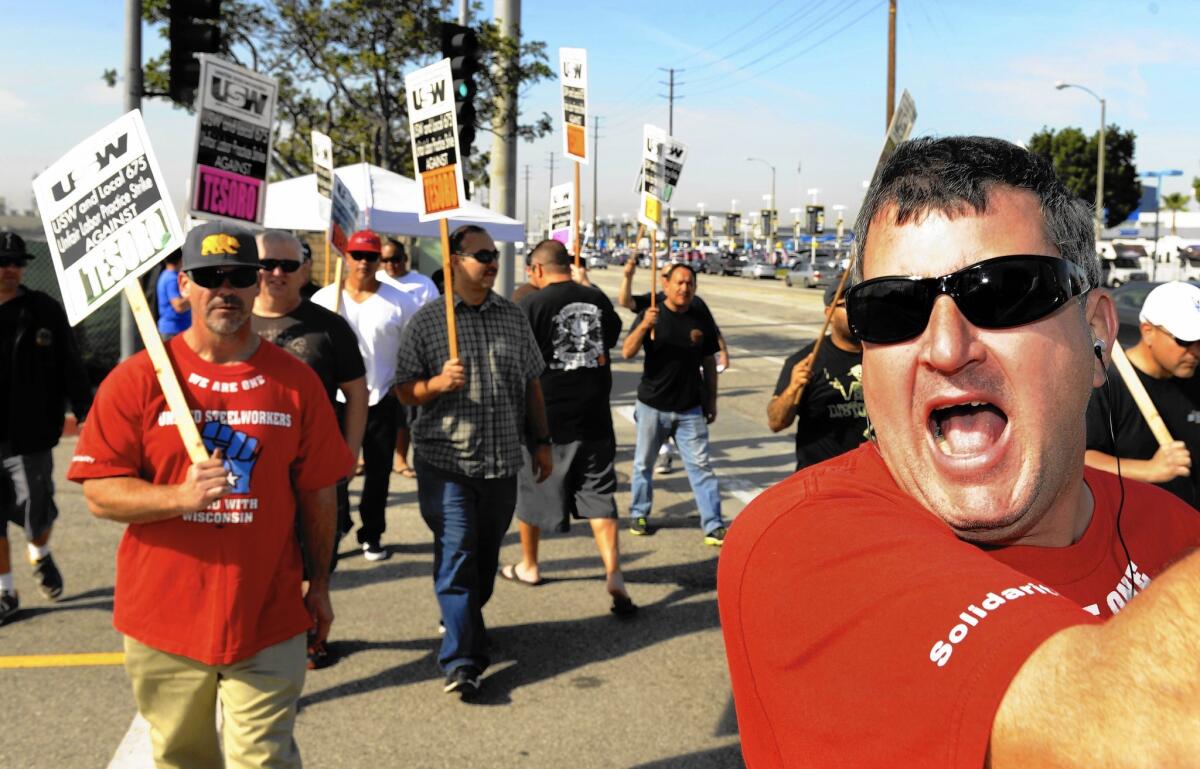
(209, 593)
(961, 591)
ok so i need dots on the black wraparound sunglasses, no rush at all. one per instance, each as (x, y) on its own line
(213, 277)
(287, 265)
(364, 256)
(1002, 292)
(485, 256)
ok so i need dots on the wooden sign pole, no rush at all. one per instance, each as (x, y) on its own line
(337, 281)
(576, 210)
(447, 277)
(325, 281)
(165, 373)
(837, 297)
(1142, 398)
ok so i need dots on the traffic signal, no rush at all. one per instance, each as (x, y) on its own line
(192, 30)
(461, 46)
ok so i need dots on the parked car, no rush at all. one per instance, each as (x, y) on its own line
(1123, 269)
(1128, 300)
(596, 262)
(809, 274)
(722, 264)
(758, 268)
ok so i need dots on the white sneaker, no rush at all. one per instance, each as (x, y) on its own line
(373, 552)
(663, 465)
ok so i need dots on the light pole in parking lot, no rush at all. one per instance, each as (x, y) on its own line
(768, 165)
(1099, 156)
(1158, 207)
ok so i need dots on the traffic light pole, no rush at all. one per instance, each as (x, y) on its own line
(133, 100)
(504, 147)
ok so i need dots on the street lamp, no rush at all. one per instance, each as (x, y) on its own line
(768, 165)
(1157, 205)
(1099, 156)
(841, 223)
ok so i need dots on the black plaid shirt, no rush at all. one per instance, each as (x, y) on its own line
(476, 431)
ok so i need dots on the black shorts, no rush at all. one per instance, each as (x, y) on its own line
(582, 484)
(27, 491)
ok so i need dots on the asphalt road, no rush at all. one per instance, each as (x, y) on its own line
(571, 685)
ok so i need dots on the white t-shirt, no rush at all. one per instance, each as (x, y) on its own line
(413, 283)
(377, 322)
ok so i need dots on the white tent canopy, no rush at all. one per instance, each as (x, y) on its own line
(388, 201)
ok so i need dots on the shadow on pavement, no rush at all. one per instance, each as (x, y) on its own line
(728, 757)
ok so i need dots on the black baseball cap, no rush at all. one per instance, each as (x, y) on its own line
(13, 245)
(831, 289)
(216, 244)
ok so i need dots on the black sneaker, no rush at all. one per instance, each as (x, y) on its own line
(640, 526)
(8, 605)
(716, 537)
(372, 551)
(48, 577)
(464, 680)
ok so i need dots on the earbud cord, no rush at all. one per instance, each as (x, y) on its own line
(1120, 483)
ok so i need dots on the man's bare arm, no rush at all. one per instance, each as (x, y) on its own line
(1122, 694)
(133, 500)
(318, 517)
(355, 416)
(1170, 461)
(418, 392)
(625, 293)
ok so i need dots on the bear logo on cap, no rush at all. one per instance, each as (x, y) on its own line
(219, 244)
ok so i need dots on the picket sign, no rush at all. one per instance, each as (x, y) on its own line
(1145, 405)
(573, 73)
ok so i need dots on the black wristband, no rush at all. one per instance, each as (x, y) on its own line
(543, 441)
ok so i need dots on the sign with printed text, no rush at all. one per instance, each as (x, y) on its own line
(899, 128)
(434, 130)
(107, 215)
(235, 112)
(343, 218)
(572, 73)
(662, 163)
(322, 147)
(562, 214)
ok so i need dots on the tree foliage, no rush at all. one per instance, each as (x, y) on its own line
(1174, 202)
(1196, 188)
(340, 65)
(1073, 154)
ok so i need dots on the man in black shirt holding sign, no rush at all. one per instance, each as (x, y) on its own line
(1165, 360)
(674, 399)
(575, 326)
(831, 417)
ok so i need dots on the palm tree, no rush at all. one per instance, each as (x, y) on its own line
(1175, 202)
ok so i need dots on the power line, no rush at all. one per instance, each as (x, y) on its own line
(771, 31)
(734, 33)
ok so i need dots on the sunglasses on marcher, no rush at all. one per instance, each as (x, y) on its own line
(1001, 292)
(287, 265)
(485, 256)
(12, 261)
(1178, 341)
(213, 277)
(364, 256)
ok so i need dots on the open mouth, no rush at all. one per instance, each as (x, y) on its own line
(967, 429)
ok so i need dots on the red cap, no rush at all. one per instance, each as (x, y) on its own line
(364, 240)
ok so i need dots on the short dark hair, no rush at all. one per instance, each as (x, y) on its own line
(954, 175)
(672, 266)
(398, 246)
(174, 258)
(553, 255)
(461, 232)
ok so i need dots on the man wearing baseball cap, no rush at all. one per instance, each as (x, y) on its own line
(378, 313)
(209, 582)
(1165, 361)
(40, 371)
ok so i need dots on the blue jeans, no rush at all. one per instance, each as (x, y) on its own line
(691, 437)
(468, 518)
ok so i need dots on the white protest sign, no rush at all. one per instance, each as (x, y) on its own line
(434, 129)
(899, 128)
(674, 152)
(572, 73)
(107, 215)
(562, 214)
(662, 163)
(234, 117)
(343, 219)
(322, 147)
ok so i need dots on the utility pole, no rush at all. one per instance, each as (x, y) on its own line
(527, 206)
(551, 171)
(891, 64)
(670, 97)
(133, 100)
(503, 173)
(595, 180)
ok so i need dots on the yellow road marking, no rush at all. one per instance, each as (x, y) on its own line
(62, 660)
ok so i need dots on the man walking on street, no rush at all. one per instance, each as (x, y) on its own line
(40, 371)
(209, 581)
(576, 327)
(830, 414)
(377, 312)
(1165, 360)
(476, 411)
(174, 315)
(674, 399)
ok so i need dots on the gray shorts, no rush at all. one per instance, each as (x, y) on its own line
(27, 491)
(582, 485)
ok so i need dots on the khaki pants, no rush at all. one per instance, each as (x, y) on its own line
(178, 697)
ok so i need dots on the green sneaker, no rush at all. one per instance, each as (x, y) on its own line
(640, 526)
(716, 537)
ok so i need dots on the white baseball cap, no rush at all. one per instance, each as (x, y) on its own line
(1174, 307)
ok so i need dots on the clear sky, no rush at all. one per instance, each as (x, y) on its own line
(799, 83)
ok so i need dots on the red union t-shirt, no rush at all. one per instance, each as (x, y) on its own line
(221, 584)
(860, 632)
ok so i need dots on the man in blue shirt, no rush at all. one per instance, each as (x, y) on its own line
(174, 312)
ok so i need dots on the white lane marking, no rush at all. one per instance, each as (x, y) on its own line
(751, 354)
(742, 489)
(134, 751)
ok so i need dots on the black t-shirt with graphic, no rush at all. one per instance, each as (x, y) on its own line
(671, 378)
(831, 418)
(318, 337)
(575, 327)
(1178, 403)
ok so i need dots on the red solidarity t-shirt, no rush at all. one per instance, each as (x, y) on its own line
(860, 632)
(221, 584)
